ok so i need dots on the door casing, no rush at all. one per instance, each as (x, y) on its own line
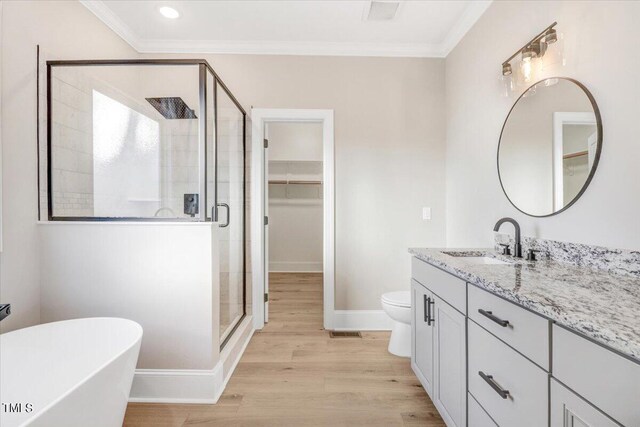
(259, 118)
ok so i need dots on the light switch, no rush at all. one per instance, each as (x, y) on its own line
(426, 214)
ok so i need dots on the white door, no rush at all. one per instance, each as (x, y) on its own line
(266, 223)
(422, 338)
(450, 385)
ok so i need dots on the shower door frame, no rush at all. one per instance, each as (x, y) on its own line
(204, 67)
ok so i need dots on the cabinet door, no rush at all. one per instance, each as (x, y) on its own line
(422, 339)
(569, 410)
(450, 391)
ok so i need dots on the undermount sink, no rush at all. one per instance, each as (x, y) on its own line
(485, 260)
(476, 257)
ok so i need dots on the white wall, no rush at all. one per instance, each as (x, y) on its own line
(389, 154)
(295, 141)
(163, 276)
(296, 211)
(63, 30)
(601, 39)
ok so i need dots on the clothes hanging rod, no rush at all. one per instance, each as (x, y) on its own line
(576, 154)
(294, 182)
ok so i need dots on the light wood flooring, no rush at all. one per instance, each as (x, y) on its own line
(293, 374)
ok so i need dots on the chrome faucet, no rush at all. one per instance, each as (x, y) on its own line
(517, 249)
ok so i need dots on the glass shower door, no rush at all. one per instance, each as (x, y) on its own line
(230, 210)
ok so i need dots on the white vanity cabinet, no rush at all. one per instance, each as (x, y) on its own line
(608, 381)
(422, 335)
(570, 410)
(486, 361)
(450, 391)
(438, 354)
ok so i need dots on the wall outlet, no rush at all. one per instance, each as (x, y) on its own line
(426, 214)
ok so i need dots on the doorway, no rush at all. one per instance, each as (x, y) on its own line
(293, 203)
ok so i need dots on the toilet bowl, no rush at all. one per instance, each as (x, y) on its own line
(397, 305)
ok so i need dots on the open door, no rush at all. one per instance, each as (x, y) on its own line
(266, 222)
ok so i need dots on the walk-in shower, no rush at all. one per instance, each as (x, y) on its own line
(144, 141)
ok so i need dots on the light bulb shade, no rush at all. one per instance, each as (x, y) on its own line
(551, 36)
(506, 69)
(528, 53)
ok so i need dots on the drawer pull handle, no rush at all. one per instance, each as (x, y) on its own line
(496, 319)
(489, 379)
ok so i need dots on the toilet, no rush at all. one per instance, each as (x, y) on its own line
(397, 305)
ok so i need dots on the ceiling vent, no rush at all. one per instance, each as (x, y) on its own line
(382, 10)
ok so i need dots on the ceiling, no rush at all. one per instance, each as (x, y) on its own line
(291, 27)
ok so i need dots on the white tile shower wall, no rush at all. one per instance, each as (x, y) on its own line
(72, 141)
(180, 164)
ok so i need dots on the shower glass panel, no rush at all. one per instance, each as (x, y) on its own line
(125, 142)
(230, 210)
(149, 140)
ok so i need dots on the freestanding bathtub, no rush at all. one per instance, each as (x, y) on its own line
(69, 373)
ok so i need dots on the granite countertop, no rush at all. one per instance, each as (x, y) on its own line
(598, 304)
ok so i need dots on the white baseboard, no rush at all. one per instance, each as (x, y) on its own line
(177, 386)
(233, 351)
(295, 266)
(192, 386)
(361, 320)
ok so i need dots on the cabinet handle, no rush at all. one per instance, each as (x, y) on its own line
(430, 320)
(426, 308)
(496, 319)
(489, 379)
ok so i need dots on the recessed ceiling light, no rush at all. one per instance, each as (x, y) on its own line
(169, 12)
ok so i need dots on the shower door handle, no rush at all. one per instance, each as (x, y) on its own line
(226, 224)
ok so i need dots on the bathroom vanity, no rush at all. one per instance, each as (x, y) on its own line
(501, 341)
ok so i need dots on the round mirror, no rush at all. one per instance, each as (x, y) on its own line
(549, 146)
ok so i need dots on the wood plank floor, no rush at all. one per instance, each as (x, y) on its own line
(294, 374)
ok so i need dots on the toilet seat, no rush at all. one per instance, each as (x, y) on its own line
(398, 299)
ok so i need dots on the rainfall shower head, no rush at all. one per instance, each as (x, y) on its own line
(172, 108)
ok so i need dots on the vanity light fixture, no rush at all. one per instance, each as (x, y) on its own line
(169, 12)
(535, 48)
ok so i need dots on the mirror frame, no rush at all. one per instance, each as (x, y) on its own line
(596, 159)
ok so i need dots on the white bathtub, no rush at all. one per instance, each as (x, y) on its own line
(69, 373)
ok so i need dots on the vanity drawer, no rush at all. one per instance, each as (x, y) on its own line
(525, 331)
(605, 379)
(477, 416)
(504, 370)
(446, 286)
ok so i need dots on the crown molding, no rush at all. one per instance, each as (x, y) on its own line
(111, 20)
(291, 48)
(471, 14)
